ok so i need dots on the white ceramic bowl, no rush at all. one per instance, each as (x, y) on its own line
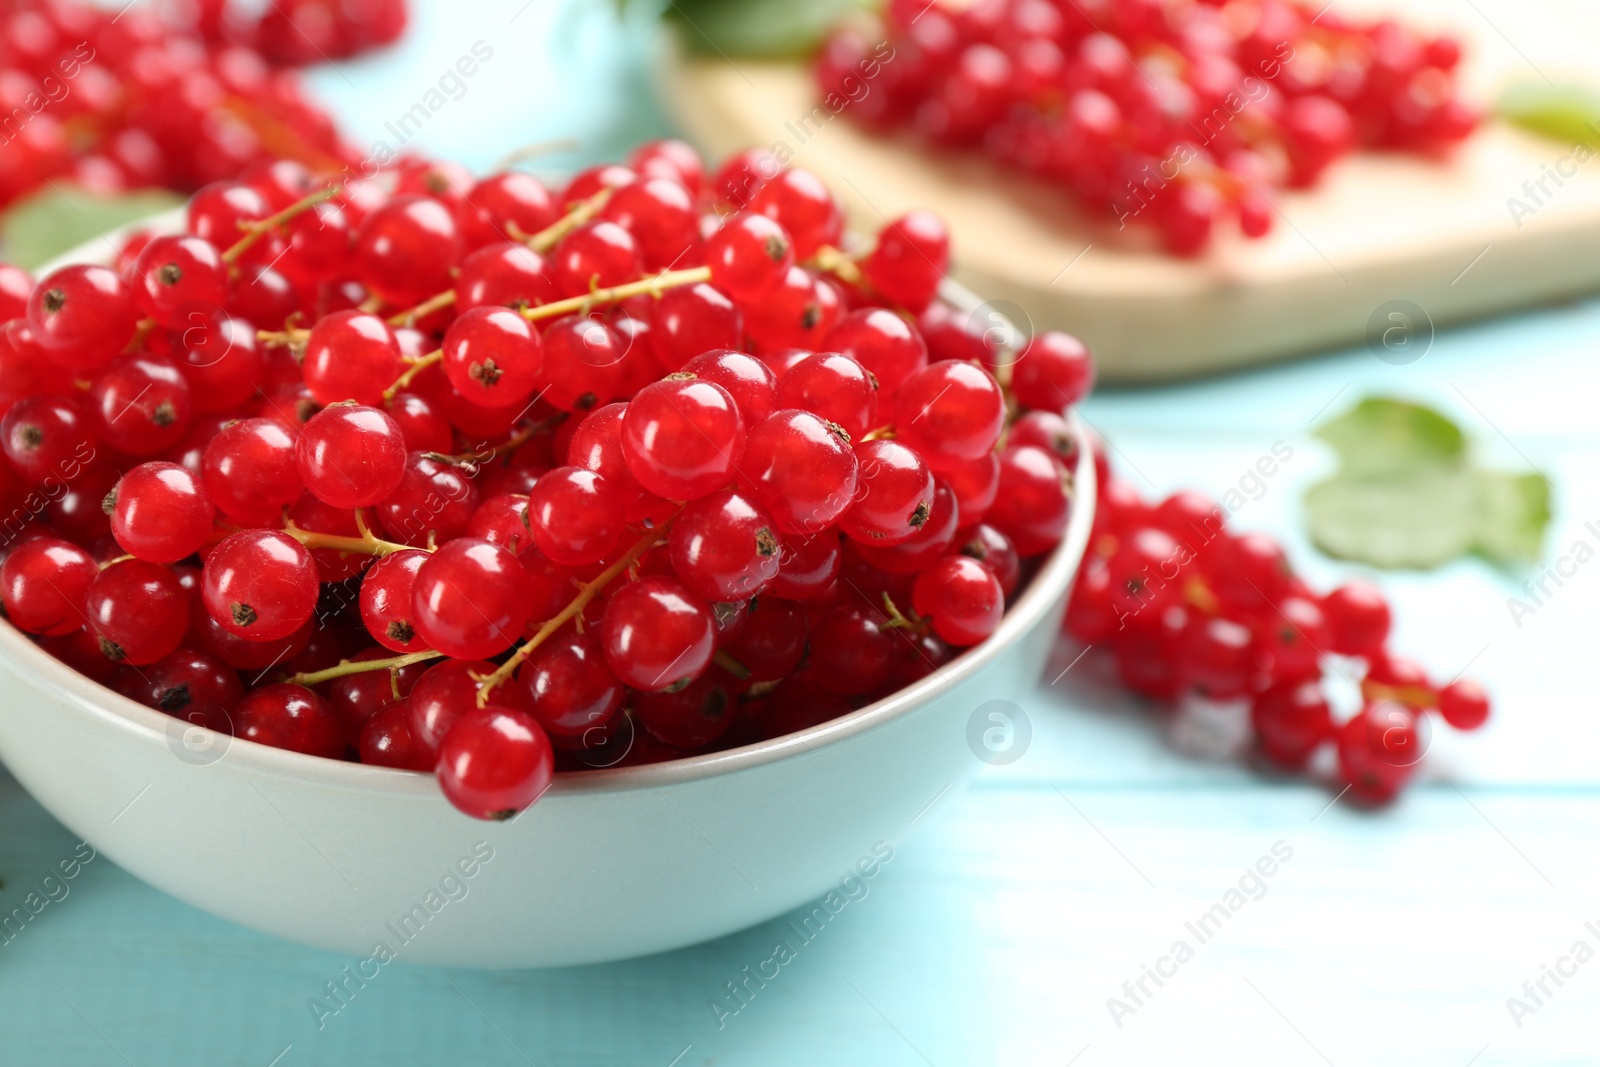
(609, 864)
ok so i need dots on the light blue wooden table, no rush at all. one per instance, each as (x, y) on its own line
(999, 931)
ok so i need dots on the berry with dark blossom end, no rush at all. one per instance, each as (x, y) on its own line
(494, 763)
(894, 494)
(694, 716)
(179, 275)
(140, 404)
(833, 387)
(47, 436)
(192, 686)
(137, 611)
(249, 470)
(83, 315)
(260, 584)
(492, 356)
(891, 349)
(724, 547)
(386, 601)
(748, 254)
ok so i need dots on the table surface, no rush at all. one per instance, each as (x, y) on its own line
(1005, 925)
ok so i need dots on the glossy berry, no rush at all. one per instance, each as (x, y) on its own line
(852, 652)
(894, 494)
(137, 611)
(160, 512)
(249, 471)
(724, 547)
(1052, 372)
(889, 348)
(749, 381)
(492, 356)
(583, 363)
(387, 741)
(43, 584)
(910, 259)
(260, 584)
(83, 315)
(691, 319)
(140, 404)
(386, 601)
(504, 275)
(47, 436)
(351, 355)
(1379, 750)
(656, 633)
(177, 276)
(433, 503)
(575, 516)
(1031, 505)
(803, 206)
(404, 250)
(962, 596)
(571, 691)
(931, 540)
(442, 695)
(773, 640)
(597, 255)
(950, 412)
(801, 469)
(468, 599)
(682, 438)
(808, 565)
(748, 255)
(351, 456)
(290, 717)
(994, 550)
(494, 762)
(835, 388)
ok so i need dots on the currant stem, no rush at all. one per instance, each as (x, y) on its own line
(289, 335)
(436, 302)
(580, 213)
(654, 286)
(418, 365)
(587, 592)
(367, 544)
(344, 667)
(721, 658)
(838, 262)
(254, 231)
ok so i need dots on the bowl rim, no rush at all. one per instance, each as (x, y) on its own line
(104, 705)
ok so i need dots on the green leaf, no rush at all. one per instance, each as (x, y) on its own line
(62, 216)
(1407, 493)
(1381, 434)
(1566, 113)
(759, 29)
(1513, 511)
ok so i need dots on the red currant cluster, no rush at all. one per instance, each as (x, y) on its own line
(1188, 607)
(489, 479)
(1178, 113)
(298, 32)
(123, 100)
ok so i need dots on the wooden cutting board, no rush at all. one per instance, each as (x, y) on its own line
(1386, 249)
